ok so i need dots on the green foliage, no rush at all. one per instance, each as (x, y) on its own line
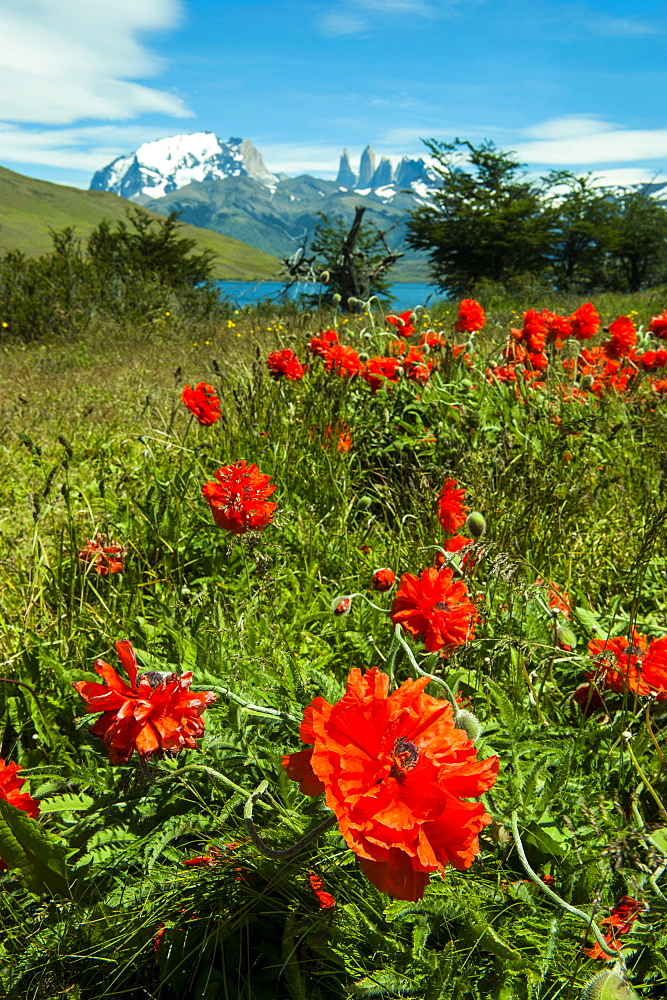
(136, 271)
(251, 617)
(488, 223)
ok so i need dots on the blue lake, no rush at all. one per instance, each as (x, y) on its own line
(406, 294)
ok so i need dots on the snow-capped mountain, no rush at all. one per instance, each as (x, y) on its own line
(226, 187)
(382, 179)
(165, 165)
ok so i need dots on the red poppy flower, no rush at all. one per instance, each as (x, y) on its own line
(383, 579)
(534, 333)
(403, 323)
(202, 402)
(344, 361)
(435, 607)
(558, 328)
(10, 791)
(430, 338)
(619, 663)
(285, 364)
(321, 345)
(620, 920)
(654, 667)
(585, 321)
(105, 557)
(623, 338)
(240, 498)
(452, 512)
(325, 899)
(397, 773)
(456, 543)
(341, 434)
(658, 324)
(559, 600)
(416, 367)
(378, 371)
(471, 317)
(153, 716)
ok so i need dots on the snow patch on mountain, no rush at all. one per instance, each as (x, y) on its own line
(165, 165)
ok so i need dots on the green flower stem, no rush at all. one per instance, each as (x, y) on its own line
(553, 896)
(651, 790)
(289, 852)
(270, 713)
(398, 636)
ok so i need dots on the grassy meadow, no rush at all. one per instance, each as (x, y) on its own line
(149, 879)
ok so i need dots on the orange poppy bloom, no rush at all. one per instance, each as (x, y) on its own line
(383, 579)
(10, 791)
(403, 323)
(285, 364)
(620, 920)
(471, 317)
(658, 324)
(344, 361)
(321, 345)
(623, 338)
(452, 512)
(105, 557)
(397, 773)
(619, 663)
(239, 499)
(153, 716)
(202, 402)
(585, 321)
(435, 607)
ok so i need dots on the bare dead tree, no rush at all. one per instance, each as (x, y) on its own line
(353, 271)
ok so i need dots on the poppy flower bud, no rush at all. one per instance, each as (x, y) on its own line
(364, 503)
(469, 723)
(610, 984)
(586, 382)
(383, 579)
(336, 299)
(324, 277)
(341, 605)
(565, 637)
(475, 524)
(413, 318)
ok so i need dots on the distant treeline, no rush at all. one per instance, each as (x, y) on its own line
(136, 271)
(491, 223)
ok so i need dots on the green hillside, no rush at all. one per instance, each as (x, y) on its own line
(30, 208)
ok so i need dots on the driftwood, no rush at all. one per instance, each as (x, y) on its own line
(352, 275)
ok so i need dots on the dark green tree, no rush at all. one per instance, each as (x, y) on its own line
(583, 233)
(487, 220)
(638, 242)
(147, 248)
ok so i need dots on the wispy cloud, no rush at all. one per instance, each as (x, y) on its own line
(354, 17)
(582, 141)
(78, 148)
(624, 27)
(65, 60)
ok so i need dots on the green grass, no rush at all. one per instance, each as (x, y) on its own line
(30, 209)
(94, 438)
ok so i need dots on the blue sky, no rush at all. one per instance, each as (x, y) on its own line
(580, 85)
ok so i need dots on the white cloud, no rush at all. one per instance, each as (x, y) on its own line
(83, 148)
(568, 127)
(64, 60)
(571, 141)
